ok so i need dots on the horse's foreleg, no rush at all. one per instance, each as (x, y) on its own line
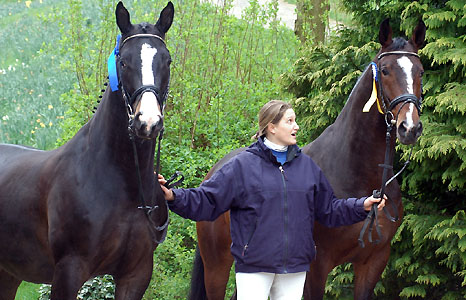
(70, 274)
(8, 285)
(132, 284)
(216, 278)
(314, 287)
(367, 274)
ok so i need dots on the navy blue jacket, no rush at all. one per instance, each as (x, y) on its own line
(272, 208)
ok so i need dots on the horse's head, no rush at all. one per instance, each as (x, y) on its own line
(143, 65)
(400, 80)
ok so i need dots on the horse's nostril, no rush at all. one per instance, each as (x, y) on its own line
(402, 129)
(157, 126)
(419, 128)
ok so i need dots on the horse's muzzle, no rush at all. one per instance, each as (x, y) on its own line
(408, 134)
(145, 129)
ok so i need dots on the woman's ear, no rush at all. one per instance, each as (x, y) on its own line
(271, 128)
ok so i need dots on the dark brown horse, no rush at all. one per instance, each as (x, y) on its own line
(348, 152)
(70, 214)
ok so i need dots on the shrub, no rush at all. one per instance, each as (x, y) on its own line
(427, 259)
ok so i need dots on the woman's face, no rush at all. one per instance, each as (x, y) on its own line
(284, 132)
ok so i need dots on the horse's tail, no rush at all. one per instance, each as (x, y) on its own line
(197, 291)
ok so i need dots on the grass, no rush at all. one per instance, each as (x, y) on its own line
(31, 80)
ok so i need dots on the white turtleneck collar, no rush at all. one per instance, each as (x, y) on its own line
(275, 147)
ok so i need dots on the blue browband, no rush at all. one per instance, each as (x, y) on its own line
(112, 69)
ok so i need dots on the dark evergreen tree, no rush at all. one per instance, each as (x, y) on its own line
(429, 251)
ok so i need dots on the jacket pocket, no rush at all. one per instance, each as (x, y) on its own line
(249, 238)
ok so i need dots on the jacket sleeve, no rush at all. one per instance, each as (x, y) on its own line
(212, 198)
(331, 211)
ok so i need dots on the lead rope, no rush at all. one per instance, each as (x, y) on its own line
(146, 208)
(372, 216)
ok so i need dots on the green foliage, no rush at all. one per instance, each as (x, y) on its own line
(173, 261)
(428, 253)
(31, 80)
(101, 288)
(27, 291)
(323, 78)
(87, 37)
(429, 256)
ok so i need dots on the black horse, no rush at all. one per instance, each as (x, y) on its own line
(72, 213)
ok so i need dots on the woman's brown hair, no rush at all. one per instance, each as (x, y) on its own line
(271, 112)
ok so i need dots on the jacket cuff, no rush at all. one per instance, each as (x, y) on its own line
(173, 204)
(359, 205)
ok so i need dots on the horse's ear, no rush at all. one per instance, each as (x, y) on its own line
(385, 33)
(419, 35)
(122, 18)
(166, 18)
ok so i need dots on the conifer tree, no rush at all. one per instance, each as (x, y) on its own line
(428, 257)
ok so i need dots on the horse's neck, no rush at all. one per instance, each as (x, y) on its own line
(108, 135)
(356, 140)
(363, 130)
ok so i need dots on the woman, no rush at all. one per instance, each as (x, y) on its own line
(274, 194)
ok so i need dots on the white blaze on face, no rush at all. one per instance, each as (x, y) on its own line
(407, 66)
(148, 107)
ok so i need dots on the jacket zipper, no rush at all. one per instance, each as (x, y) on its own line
(285, 210)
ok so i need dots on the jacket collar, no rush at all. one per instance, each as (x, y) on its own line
(261, 150)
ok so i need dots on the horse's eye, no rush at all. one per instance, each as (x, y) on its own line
(122, 64)
(421, 74)
(385, 72)
(169, 62)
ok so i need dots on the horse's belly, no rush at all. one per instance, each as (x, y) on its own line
(24, 250)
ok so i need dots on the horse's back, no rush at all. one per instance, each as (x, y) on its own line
(20, 168)
(223, 161)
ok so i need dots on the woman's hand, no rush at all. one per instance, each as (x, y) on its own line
(371, 200)
(167, 192)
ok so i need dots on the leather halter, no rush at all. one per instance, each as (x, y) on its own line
(130, 99)
(404, 99)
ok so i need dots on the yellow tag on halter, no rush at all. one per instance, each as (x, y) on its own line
(378, 106)
(373, 98)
